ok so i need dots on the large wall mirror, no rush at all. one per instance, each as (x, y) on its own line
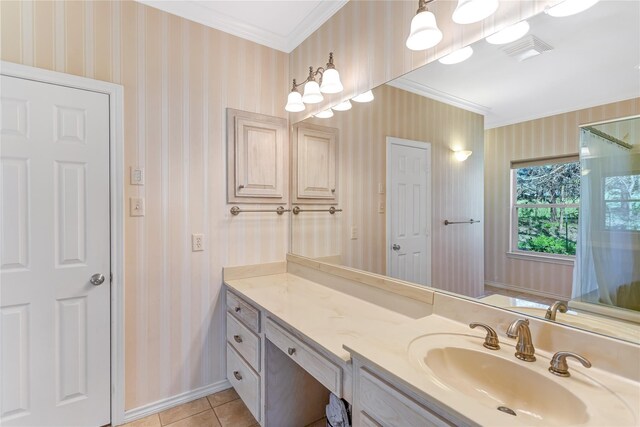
(479, 177)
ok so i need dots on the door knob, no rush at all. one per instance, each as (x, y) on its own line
(395, 247)
(97, 279)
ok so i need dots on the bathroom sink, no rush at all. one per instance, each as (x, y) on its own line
(500, 383)
(508, 390)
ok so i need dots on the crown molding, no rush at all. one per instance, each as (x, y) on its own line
(423, 90)
(196, 11)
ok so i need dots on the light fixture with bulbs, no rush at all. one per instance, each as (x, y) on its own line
(343, 106)
(470, 11)
(457, 56)
(329, 82)
(462, 155)
(510, 33)
(364, 97)
(326, 114)
(569, 7)
(424, 32)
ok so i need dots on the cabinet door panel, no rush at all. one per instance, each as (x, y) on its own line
(316, 167)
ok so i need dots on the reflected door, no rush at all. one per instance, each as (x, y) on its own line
(408, 210)
(55, 342)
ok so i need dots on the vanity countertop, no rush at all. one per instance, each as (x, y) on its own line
(321, 314)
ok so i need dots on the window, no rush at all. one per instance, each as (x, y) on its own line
(622, 202)
(545, 203)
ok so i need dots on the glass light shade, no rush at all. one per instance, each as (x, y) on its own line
(462, 155)
(325, 114)
(343, 106)
(294, 102)
(457, 56)
(331, 81)
(364, 97)
(469, 11)
(312, 93)
(570, 7)
(424, 32)
(509, 34)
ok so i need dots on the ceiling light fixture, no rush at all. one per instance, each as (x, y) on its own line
(509, 34)
(328, 113)
(457, 56)
(470, 11)
(364, 97)
(424, 32)
(569, 7)
(329, 83)
(343, 106)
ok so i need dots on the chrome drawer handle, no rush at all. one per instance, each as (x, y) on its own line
(238, 309)
(237, 375)
(291, 351)
(237, 338)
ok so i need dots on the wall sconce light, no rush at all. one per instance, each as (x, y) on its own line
(470, 11)
(343, 106)
(509, 34)
(326, 114)
(462, 155)
(329, 83)
(364, 97)
(424, 29)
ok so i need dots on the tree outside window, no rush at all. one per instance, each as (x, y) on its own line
(545, 205)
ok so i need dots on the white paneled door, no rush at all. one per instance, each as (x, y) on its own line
(409, 210)
(54, 277)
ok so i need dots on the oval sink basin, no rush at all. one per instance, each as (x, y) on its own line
(500, 383)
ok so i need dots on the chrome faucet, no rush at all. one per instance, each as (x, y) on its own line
(554, 308)
(524, 347)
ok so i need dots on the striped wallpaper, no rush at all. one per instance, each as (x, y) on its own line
(178, 78)
(457, 190)
(549, 136)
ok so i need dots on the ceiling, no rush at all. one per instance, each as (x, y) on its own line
(281, 25)
(594, 61)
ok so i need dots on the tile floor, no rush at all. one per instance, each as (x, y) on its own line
(222, 409)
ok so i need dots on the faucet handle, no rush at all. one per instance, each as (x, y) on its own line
(491, 340)
(560, 306)
(559, 364)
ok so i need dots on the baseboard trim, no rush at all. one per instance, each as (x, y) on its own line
(178, 399)
(525, 290)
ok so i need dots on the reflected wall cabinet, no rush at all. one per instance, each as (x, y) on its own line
(315, 164)
(257, 150)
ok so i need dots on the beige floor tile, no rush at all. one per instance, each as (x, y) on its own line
(235, 414)
(222, 397)
(150, 421)
(183, 411)
(203, 419)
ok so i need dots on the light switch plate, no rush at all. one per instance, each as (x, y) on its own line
(136, 206)
(354, 233)
(137, 176)
(380, 207)
(197, 242)
(380, 188)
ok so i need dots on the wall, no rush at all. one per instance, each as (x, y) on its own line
(548, 136)
(457, 190)
(368, 41)
(178, 78)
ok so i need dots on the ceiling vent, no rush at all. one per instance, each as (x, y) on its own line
(527, 47)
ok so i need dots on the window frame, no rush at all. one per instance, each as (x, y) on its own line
(514, 251)
(604, 202)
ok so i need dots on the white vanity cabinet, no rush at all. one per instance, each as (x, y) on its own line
(315, 164)
(379, 401)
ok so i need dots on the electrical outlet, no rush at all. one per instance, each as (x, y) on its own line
(354, 233)
(137, 176)
(197, 242)
(380, 188)
(136, 206)
(380, 207)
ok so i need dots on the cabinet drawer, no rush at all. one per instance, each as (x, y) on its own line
(321, 368)
(244, 380)
(389, 407)
(244, 341)
(243, 311)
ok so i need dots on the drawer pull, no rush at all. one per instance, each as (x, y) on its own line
(238, 309)
(237, 375)
(291, 351)
(237, 338)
